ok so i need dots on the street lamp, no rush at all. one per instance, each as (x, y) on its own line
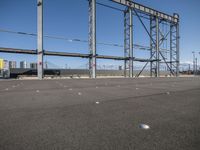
(194, 70)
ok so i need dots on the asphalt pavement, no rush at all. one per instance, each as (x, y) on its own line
(100, 114)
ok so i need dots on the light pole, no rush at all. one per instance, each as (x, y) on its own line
(196, 71)
(199, 62)
(194, 62)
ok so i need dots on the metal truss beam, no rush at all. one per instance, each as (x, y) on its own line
(148, 11)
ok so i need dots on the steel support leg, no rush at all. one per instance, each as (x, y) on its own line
(40, 39)
(153, 46)
(171, 48)
(157, 48)
(128, 42)
(92, 38)
(174, 48)
(177, 49)
(131, 43)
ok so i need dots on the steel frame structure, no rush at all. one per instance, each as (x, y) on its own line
(156, 37)
(154, 32)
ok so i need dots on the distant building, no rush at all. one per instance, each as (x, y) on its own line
(23, 64)
(12, 64)
(46, 65)
(1, 63)
(6, 65)
(120, 68)
(4, 69)
(33, 65)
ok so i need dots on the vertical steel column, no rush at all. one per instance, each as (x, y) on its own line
(174, 47)
(153, 39)
(92, 38)
(171, 48)
(128, 42)
(157, 48)
(177, 48)
(131, 43)
(151, 47)
(125, 43)
(40, 39)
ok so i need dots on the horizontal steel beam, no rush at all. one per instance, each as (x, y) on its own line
(110, 57)
(51, 53)
(15, 50)
(66, 54)
(149, 11)
(169, 62)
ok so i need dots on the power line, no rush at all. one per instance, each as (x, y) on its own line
(110, 7)
(140, 47)
(58, 38)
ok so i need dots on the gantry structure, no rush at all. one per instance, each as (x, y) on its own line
(159, 54)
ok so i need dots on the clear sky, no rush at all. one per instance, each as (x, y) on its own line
(69, 18)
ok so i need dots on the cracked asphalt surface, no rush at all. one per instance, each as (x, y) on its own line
(101, 114)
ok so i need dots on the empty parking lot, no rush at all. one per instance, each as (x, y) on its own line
(100, 114)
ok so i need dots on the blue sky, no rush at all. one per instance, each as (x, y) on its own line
(69, 18)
